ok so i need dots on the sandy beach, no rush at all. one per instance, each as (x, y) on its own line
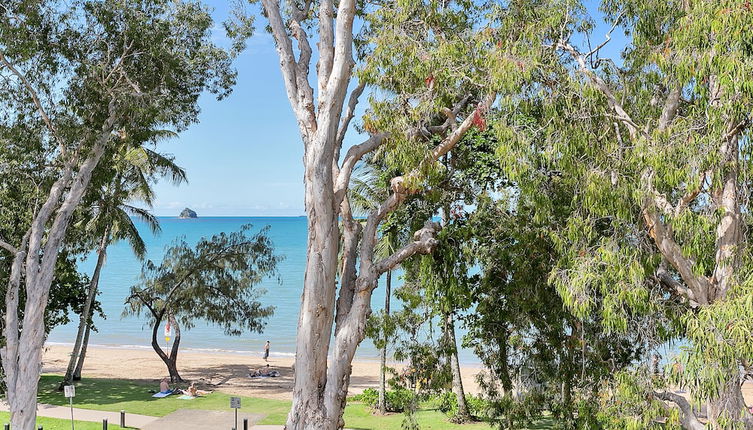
(217, 371)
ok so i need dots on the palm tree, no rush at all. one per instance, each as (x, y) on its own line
(110, 219)
(367, 191)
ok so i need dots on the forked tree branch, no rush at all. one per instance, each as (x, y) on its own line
(621, 114)
(289, 67)
(676, 287)
(672, 252)
(333, 96)
(450, 123)
(688, 418)
(354, 155)
(400, 191)
(424, 242)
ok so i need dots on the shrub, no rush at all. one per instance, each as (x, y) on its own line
(447, 402)
(397, 400)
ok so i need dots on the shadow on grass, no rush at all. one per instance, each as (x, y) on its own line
(97, 391)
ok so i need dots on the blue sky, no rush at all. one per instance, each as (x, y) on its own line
(244, 157)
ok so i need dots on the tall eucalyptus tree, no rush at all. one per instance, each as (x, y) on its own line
(444, 110)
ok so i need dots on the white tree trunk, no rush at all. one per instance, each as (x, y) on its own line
(457, 380)
(318, 302)
(22, 354)
(320, 389)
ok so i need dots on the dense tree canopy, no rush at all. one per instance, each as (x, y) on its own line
(212, 282)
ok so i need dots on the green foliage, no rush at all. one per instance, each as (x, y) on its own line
(447, 402)
(397, 400)
(212, 281)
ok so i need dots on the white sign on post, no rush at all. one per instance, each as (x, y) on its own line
(235, 402)
(70, 390)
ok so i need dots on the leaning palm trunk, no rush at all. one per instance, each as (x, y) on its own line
(383, 355)
(84, 320)
(82, 354)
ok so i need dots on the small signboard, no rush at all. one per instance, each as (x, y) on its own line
(70, 390)
(235, 402)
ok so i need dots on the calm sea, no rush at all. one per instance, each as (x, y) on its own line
(122, 269)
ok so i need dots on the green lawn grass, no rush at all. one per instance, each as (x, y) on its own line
(58, 424)
(134, 397)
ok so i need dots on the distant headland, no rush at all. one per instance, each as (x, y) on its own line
(187, 213)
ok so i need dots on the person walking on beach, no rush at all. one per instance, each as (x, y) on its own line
(266, 351)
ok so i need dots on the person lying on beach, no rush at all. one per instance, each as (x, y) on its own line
(264, 372)
(194, 392)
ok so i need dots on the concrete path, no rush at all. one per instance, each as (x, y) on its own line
(197, 419)
(51, 411)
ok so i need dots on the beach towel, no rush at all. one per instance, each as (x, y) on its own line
(186, 397)
(162, 394)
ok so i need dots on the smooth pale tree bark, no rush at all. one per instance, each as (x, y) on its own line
(383, 354)
(22, 354)
(725, 197)
(457, 378)
(320, 387)
(87, 311)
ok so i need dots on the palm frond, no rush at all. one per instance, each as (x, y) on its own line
(144, 215)
(124, 228)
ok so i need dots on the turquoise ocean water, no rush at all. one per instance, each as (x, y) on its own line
(122, 269)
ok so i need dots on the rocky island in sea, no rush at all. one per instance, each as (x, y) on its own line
(187, 213)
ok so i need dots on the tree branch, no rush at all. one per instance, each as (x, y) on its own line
(398, 184)
(288, 64)
(349, 113)
(351, 233)
(326, 43)
(674, 286)
(424, 242)
(305, 92)
(331, 100)
(10, 248)
(622, 115)
(450, 122)
(672, 252)
(607, 39)
(689, 419)
(355, 153)
(671, 104)
(37, 102)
